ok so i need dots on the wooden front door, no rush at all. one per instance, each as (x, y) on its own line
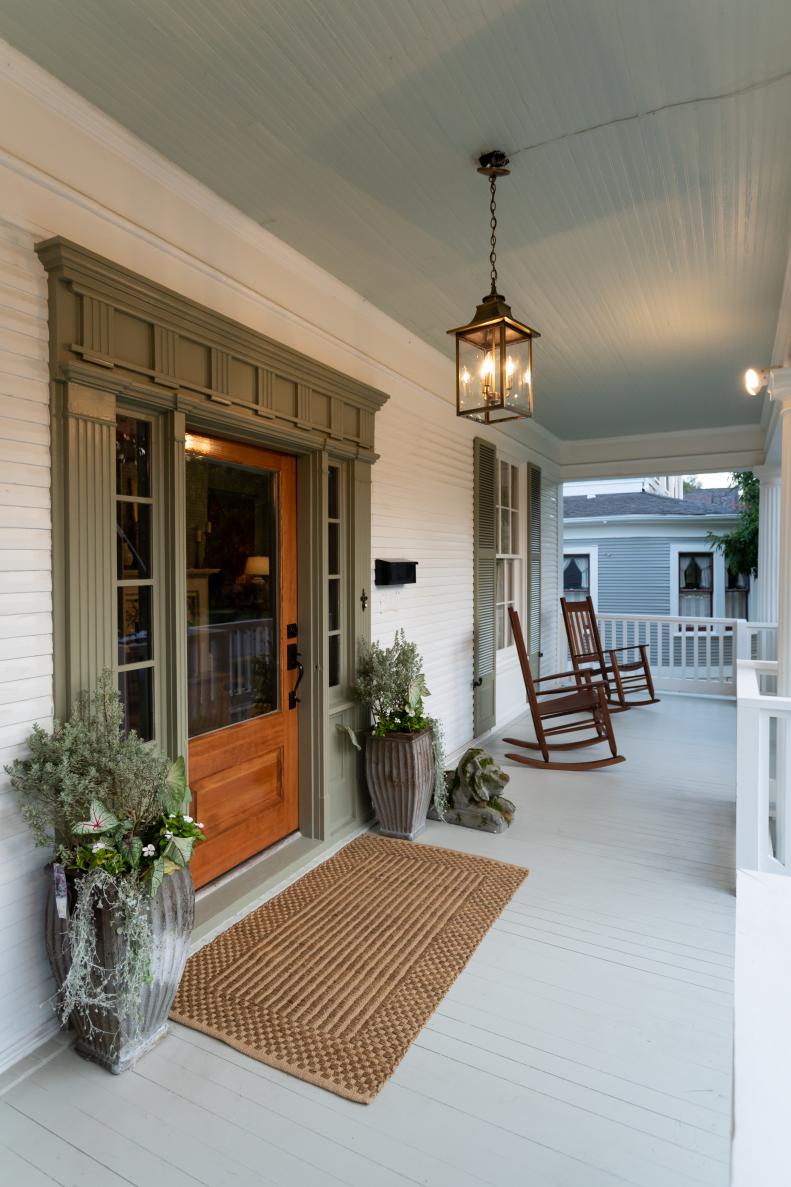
(241, 634)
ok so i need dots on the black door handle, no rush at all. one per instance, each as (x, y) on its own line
(477, 683)
(293, 699)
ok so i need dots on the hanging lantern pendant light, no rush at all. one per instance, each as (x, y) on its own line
(494, 352)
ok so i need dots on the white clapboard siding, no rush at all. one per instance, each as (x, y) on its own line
(422, 511)
(25, 628)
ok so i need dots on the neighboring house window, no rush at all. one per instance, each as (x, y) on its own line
(695, 584)
(508, 551)
(576, 576)
(737, 589)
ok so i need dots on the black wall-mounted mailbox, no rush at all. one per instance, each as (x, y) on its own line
(395, 572)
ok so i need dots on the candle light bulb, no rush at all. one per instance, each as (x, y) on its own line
(510, 367)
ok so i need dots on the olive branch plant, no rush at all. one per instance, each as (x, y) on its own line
(113, 812)
(391, 684)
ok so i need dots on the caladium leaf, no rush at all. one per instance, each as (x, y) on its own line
(132, 851)
(179, 850)
(177, 790)
(157, 874)
(102, 820)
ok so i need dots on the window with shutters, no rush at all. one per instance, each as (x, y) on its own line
(509, 550)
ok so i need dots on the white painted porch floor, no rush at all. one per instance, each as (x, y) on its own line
(588, 1043)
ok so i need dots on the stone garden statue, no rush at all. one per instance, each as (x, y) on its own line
(475, 797)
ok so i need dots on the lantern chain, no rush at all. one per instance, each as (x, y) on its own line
(493, 237)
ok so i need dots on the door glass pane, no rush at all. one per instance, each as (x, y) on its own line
(333, 548)
(133, 538)
(232, 593)
(132, 457)
(136, 689)
(134, 624)
(334, 615)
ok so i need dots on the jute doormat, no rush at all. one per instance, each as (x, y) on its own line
(333, 979)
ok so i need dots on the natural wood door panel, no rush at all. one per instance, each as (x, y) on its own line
(244, 775)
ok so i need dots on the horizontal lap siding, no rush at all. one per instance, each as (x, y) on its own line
(25, 629)
(422, 492)
(634, 574)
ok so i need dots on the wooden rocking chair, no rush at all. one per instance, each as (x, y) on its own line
(583, 704)
(623, 678)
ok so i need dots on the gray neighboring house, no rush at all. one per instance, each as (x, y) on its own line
(641, 553)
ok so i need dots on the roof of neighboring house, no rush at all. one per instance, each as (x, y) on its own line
(722, 501)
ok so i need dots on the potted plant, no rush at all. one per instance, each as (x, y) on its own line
(404, 758)
(120, 905)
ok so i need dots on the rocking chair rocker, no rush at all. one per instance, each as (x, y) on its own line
(622, 677)
(583, 702)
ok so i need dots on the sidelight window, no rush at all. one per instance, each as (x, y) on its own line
(135, 571)
(334, 578)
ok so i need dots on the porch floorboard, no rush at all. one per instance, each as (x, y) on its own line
(587, 1044)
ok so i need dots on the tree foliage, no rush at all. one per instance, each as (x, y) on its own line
(740, 546)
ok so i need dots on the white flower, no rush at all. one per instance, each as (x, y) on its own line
(99, 845)
(188, 819)
(149, 850)
(168, 835)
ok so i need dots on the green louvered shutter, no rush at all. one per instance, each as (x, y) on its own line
(534, 567)
(484, 570)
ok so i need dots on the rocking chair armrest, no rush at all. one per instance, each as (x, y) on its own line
(627, 647)
(568, 675)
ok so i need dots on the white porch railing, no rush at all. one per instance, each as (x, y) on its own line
(763, 735)
(695, 655)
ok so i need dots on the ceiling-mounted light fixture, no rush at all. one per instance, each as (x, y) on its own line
(756, 379)
(494, 352)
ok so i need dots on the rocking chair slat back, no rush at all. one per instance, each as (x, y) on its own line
(579, 699)
(582, 632)
(622, 678)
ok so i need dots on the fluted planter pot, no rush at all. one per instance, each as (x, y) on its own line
(399, 769)
(117, 1043)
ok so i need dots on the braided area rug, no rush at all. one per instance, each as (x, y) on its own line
(333, 979)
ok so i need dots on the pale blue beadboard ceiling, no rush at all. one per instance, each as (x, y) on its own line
(644, 229)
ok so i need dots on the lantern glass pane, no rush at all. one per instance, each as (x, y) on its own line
(518, 377)
(479, 372)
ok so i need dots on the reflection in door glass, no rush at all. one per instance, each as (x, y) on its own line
(232, 593)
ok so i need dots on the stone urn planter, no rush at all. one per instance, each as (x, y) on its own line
(117, 1043)
(399, 768)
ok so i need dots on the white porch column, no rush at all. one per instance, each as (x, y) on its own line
(781, 394)
(764, 608)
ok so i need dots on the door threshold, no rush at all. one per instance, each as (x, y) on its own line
(232, 896)
(245, 866)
